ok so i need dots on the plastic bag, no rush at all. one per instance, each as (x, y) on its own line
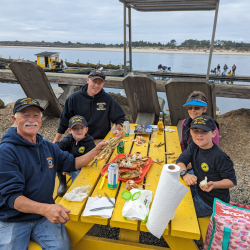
(137, 207)
(228, 228)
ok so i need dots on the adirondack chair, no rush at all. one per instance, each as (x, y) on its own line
(178, 90)
(35, 85)
(145, 106)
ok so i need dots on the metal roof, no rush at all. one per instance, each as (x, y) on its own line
(170, 5)
(46, 53)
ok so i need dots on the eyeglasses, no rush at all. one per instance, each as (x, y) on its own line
(97, 73)
(195, 108)
(78, 129)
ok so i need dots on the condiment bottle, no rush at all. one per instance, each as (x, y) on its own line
(160, 123)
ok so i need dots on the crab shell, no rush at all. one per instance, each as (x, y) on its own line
(126, 174)
(204, 183)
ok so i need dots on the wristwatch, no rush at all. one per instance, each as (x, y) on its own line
(182, 173)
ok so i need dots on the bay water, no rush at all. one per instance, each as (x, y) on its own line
(189, 63)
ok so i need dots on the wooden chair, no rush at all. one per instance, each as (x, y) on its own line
(35, 85)
(178, 90)
(145, 106)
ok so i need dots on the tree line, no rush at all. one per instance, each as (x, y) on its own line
(190, 43)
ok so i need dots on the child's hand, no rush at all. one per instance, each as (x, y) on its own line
(190, 179)
(210, 187)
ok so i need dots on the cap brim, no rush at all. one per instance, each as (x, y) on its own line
(96, 77)
(202, 127)
(77, 123)
(196, 103)
(25, 106)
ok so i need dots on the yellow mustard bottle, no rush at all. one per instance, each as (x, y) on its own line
(160, 123)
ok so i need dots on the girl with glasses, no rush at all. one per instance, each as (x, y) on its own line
(196, 105)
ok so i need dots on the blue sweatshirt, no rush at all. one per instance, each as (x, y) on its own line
(28, 169)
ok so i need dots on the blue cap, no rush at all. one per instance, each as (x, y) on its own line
(196, 103)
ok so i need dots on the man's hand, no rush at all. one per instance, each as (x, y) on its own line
(56, 213)
(116, 132)
(210, 187)
(190, 179)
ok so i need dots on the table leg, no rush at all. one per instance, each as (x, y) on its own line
(129, 235)
(176, 243)
(76, 230)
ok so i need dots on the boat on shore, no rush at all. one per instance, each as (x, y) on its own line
(77, 70)
(113, 72)
(81, 65)
(69, 64)
(112, 66)
(99, 65)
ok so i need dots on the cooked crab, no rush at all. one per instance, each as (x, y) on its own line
(126, 174)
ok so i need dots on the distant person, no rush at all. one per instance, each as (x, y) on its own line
(61, 64)
(218, 69)
(213, 71)
(207, 160)
(78, 142)
(229, 73)
(196, 106)
(233, 69)
(225, 68)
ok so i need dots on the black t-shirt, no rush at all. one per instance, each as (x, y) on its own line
(68, 143)
(213, 163)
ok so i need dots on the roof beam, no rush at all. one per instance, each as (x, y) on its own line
(172, 2)
(180, 8)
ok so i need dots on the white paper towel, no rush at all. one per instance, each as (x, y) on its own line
(168, 195)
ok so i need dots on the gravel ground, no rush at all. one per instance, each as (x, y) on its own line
(234, 140)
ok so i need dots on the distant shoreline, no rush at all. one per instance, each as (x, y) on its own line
(140, 50)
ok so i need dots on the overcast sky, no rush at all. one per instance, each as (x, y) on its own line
(93, 21)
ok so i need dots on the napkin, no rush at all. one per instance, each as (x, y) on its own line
(96, 202)
(169, 129)
(77, 194)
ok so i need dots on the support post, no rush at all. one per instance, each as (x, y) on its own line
(124, 37)
(212, 40)
(130, 40)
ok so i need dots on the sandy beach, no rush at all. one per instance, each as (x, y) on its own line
(143, 50)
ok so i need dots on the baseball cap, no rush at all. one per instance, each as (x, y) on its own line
(26, 102)
(196, 103)
(96, 73)
(203, 122)
(77, 120)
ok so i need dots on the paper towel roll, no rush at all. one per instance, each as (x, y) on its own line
(168, 195)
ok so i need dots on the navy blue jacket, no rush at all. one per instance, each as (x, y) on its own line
(68, 143)
(28, 169)
(99, 111)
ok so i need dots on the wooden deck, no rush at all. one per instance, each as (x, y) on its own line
(221, 90)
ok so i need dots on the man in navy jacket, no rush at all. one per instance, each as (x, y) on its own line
(95, 105)
(28, 165)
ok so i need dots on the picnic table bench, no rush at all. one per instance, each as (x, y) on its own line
(180, 233)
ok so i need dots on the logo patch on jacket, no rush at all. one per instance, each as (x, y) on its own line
(101, 106)
(204, 167)
(50, 162)
(81, 150)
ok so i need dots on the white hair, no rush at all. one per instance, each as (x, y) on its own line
(19, 111)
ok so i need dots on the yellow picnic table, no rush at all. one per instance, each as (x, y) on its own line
(179, 233)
